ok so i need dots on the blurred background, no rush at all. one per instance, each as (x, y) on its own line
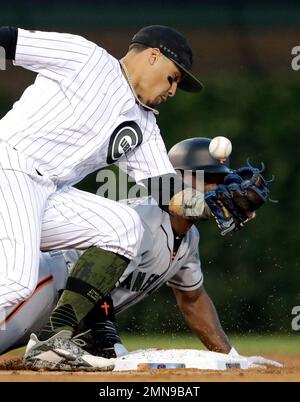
(242, 53)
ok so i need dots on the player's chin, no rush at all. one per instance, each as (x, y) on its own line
(157, 101)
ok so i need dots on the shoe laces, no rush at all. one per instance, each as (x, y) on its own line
(78, 341)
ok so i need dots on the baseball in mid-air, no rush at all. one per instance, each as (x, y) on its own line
(220, 148)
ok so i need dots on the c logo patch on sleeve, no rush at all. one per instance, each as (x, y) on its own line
(125, 138)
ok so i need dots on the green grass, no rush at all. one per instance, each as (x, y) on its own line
(250, 344)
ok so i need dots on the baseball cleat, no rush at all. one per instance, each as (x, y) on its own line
(62, 352)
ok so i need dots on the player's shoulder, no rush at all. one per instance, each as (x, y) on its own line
(148, 209)
(59, 39)
(104, 58)
(141, 203)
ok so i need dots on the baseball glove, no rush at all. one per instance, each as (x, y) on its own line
(233, 203)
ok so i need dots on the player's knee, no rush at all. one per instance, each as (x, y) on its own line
(26, 292)
(19, 277)
(125, 238)
(14, 292)
(134, 226)
(134, 234)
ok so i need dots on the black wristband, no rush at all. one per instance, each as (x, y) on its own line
(85, 289)
(8, 40)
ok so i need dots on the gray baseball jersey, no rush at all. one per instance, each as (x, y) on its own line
(154, 266)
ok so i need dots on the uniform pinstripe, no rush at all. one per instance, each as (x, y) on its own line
(23, 197)
(152, 268)
(62, 129)
(75, 218)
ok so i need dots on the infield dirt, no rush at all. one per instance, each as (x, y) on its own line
(12, 370)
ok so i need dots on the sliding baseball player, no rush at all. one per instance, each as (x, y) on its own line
(169, 254)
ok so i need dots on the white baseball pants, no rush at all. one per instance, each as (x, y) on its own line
(34, 216)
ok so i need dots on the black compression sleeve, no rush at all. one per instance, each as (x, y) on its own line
(8, 40)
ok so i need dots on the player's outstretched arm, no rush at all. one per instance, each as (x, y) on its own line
(201, 316)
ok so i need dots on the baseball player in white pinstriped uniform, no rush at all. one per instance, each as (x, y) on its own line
(169, 253)
(156, 267)
(85, 110)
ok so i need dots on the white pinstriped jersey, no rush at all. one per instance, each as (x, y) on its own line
(80, 114)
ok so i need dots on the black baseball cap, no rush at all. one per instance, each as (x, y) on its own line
(174, 46)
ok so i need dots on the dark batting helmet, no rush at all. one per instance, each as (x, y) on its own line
(193, 154)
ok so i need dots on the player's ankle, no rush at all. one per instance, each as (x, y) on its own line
(62, 318)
